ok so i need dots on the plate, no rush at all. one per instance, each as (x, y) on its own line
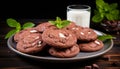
(108, 44)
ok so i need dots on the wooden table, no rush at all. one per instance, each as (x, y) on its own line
(10, 60)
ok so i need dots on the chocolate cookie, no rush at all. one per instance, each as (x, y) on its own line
(86, 34)
(31, 43)
(65, 53)
(59, 38)
(23, 33)
(91, 46)
(43, 26)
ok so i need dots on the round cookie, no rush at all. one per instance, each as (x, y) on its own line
(30, 44)
(43, 26)
(59, 38)
(91, 46)
(86, 34)
(65, 53)
(23, 33)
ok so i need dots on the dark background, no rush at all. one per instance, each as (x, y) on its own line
(41, 9)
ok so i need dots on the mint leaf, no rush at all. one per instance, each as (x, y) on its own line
(105, 11)
(113, 15)
(18, 27)
(10, 33)
(109, 16)
(59, 26)
(28, 25)
(52, 22)
(12, 22)
(106, 7)
(65, 23)
(60, 23)
(97, 18)
(115, 12)
(58, 19)
(113, 6)
(100, 3)
(105, 37)
(101, 12)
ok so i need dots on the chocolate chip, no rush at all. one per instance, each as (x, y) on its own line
(93, 66)
(88, 67)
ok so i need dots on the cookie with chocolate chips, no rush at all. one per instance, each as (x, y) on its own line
(66, 52)
(59, 38)
(32, 43)
(43, 26)
(91, 46)
(86, 34)
(23, 33)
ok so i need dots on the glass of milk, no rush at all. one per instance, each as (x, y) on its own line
(80, 14)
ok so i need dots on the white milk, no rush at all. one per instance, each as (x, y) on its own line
(80, 17)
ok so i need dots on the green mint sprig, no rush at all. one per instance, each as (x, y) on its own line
(17, 26)
(60, 23)
(105, 37)
(105, 11)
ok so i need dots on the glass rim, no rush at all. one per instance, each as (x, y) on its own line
(87, 7)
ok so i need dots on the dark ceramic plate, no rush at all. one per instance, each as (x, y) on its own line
(108, 44)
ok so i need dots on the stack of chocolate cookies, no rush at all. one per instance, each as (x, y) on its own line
(65, 42)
